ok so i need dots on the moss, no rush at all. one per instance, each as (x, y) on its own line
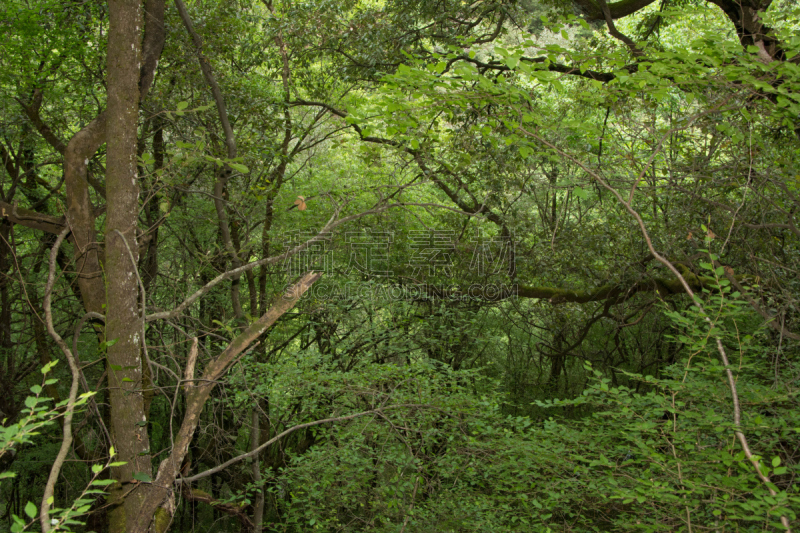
(116, 519)
(162, 520)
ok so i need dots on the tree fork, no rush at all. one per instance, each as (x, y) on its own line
(196, 396)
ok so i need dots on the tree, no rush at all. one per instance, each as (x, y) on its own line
(510, 189)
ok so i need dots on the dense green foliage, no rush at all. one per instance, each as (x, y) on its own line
(508, 202)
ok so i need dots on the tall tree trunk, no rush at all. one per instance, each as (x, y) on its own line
(123, 321)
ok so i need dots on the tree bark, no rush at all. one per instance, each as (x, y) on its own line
(123, 321)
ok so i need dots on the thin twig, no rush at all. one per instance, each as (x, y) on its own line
(282, 434)
(92, 402)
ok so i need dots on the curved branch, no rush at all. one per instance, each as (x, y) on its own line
(66, 441)
(31, 219)
(232, 509)
(617, 10)
(612, 29)
(555, 67)
(92, 402)
(32, 112)
(282, 434)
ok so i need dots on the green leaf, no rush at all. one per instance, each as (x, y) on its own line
(30, 510)
(106, 344)
(141, 476)
(239, 167)
(182, 105)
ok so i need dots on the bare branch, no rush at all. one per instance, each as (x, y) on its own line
(66, 440)
(188, 375)
(332, 224)
(612, 29)
(31, 219)
(282, 434)
(232, 509)
(169, 468)
(32, 111)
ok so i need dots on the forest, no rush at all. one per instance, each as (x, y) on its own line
(399, 266)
